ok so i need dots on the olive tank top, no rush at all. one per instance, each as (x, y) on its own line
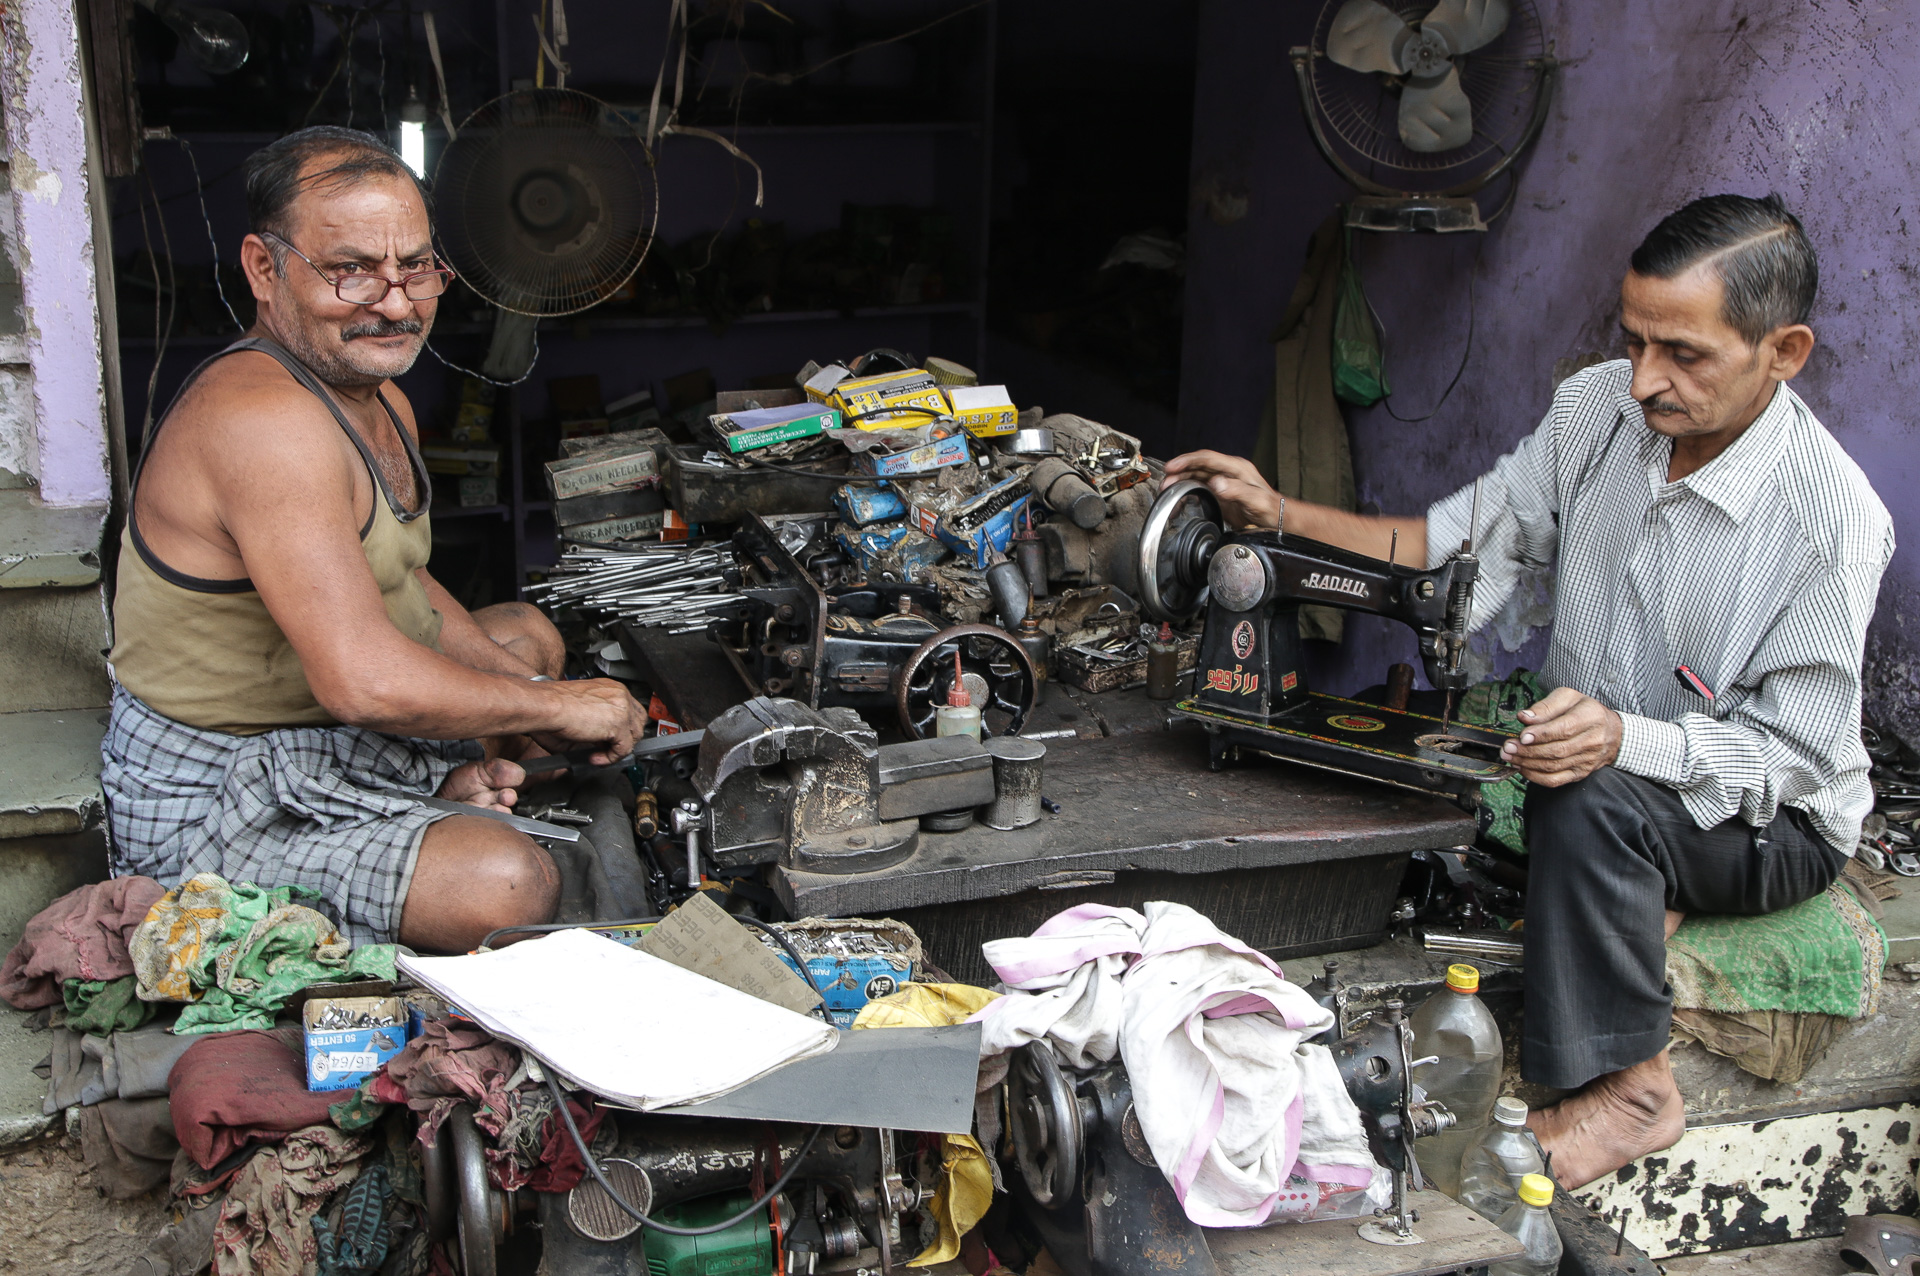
(206, 652)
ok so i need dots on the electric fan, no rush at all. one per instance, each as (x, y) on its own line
(545, 202)
(1419, 105)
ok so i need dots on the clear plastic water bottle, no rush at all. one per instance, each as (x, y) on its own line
(1491, 1172)
(1529, 1223)
(1453, 1025)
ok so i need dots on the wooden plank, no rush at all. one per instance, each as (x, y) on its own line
(1455, 1238)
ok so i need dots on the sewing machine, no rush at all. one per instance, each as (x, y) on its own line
(1251, 690)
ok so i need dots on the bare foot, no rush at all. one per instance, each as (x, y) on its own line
(1673, 921)
(1616, 1119)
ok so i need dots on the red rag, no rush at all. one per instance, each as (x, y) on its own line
(81, 935)
(234, 1088)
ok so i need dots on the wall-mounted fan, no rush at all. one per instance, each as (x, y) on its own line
(1419, 105)
(545, 201)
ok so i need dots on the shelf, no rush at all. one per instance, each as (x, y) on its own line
(472, 511)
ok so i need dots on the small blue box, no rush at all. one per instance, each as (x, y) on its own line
(849, 983)
(924, 459)
(863, 503)
(912, 548)
(340, 1059)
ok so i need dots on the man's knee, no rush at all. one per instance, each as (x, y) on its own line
(518, 883)
(1570, 811)
(474, 876)
(525, 630)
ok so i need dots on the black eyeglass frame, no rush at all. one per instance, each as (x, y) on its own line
(444, 273)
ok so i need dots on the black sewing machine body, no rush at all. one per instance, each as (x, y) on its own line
(1250, 690)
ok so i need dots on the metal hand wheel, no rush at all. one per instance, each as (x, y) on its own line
(996, 670)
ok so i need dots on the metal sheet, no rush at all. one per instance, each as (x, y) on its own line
(889, 1078)
(1762, 1182)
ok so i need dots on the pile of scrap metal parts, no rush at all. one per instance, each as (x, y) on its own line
(854, 1200)
(1082, 1171)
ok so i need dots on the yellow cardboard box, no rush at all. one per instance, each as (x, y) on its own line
(893, 398)
(986, 410)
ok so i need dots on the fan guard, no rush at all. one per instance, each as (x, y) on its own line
(545, 203)
(1355, 115)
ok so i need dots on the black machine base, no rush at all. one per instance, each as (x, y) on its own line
(1408, 750)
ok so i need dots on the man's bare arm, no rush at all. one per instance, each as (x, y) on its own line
(462, 638)
(1247, 500)
(283, 482)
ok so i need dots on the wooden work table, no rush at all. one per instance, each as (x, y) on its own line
(1290, 859)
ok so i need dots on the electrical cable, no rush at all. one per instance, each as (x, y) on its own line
(481, 376)
(780, 938)
(1466, 354)
(200, 189)
(593, 1168)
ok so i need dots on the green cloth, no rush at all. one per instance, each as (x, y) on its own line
(1497, 706)
(104, 1007)
(236, 953)
(1824, 956)
(358, 1110)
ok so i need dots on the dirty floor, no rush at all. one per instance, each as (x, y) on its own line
(1800, 1258)
(66, 1228)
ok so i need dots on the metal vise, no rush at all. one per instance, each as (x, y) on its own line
(813, 789)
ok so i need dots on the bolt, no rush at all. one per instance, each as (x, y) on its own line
(792, 657)
(856, 841)
(1241, 551)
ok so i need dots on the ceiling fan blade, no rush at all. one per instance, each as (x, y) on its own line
(1366, 35)
(1435, 115)
(1467, 24)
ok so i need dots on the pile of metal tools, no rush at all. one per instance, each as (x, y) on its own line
(669, 586)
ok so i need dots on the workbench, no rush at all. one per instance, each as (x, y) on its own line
(1291, 860)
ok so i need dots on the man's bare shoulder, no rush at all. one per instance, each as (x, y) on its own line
(246, 411)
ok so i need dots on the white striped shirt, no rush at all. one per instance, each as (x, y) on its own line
(1758, 571)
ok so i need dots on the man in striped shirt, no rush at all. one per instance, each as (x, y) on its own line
(1718, 557)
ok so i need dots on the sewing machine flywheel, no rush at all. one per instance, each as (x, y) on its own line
(996, 670)
(1182, 530)
(1043, 1116)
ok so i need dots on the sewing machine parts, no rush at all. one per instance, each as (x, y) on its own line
(1250, 687)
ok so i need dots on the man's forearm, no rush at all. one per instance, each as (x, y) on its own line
(1367, 534)
(462, 639)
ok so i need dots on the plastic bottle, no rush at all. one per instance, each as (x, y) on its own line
(1455, 1026)
(957, 716)
(1530, 1223)
(1490, 1173)
(1163, 665)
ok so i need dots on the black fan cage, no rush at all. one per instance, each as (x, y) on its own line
(545, 202)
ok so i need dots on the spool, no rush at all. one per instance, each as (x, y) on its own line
(1016, 782)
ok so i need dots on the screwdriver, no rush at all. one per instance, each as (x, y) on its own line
(581, 763)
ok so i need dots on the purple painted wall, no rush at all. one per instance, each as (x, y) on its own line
(1658, 103)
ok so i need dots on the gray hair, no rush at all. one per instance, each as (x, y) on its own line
(275, 175)
(1758, 249)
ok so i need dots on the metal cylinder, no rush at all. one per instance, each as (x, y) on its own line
(1038, 644)
(1163, 670)
(1016, 782)
(1008, 588)
(1061, 489)
(1031, 553)
(1399, 686)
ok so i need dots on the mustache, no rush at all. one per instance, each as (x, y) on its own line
(382, 328)
(1661, 405)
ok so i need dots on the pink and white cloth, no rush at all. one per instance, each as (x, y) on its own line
(1249, 1124)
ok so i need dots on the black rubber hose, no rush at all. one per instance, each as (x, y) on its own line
(593, 1168)
(780, 938)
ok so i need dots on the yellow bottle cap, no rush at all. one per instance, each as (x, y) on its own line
(1536, 1189)
(1463, 978)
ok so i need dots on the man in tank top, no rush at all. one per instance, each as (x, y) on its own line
(290, 675)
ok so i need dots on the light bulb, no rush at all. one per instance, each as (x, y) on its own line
(214, 39)
(413, 133)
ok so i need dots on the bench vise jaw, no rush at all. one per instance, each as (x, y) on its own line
(814, 790)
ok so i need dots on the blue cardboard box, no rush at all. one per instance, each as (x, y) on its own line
(848, 983)
(863, 503)
(340, 1059)
(979, 527)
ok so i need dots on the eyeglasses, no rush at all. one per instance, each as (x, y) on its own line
(371, 290)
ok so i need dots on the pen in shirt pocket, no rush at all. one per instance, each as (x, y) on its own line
(1692, 682)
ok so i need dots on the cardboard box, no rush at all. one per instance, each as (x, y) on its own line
(620, 441)
(893, 398)
(981, 526)
(340, 1059)
(629, 528)
(479, 491)
(599, 507)
(763, 427)
(986, 410)
(894, 550)
(863, 503)
(460, 459)
(924, 459)
(603, 469)
(473, 423)
(818, 385)
(637, 411)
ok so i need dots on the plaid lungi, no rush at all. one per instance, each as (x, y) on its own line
(329, 808)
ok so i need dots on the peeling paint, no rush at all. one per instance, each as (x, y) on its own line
(1760, 1183)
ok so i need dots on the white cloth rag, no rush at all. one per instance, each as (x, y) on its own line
(1247, 1122)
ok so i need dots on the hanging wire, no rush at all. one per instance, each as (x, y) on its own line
(1381, 328)
(481, 376)
(380, 47)
(213, 243)
(161, 334)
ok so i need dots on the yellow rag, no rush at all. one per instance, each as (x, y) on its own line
(966, 1186)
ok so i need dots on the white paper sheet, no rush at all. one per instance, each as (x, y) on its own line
(624, 1025)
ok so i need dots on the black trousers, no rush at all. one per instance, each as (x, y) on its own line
(1607, 856)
